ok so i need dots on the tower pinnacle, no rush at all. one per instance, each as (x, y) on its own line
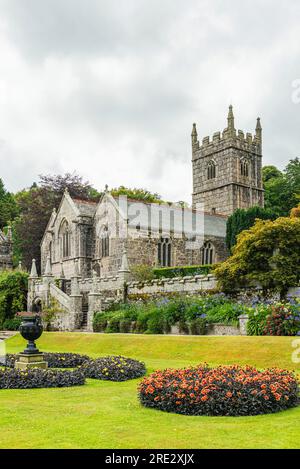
(258, 130)
(230, 120)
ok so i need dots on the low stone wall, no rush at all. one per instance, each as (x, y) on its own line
(190, 285)
(223, 329)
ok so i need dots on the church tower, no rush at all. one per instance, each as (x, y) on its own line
(227, 170)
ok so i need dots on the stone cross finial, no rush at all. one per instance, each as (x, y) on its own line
(33, 272)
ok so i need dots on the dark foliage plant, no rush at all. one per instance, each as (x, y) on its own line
(225, 390)
(38, 378)
(113, 368)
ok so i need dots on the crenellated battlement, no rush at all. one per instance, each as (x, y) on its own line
(249, 142)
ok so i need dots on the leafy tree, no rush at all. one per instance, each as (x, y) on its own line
(270, 172)
(77, 187)
(8, 206)
(282, 189)
(36, 205)
(267, 253)
(13, 294)
(137, 194)
(243, 219)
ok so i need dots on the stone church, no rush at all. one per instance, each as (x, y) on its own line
(89, 249)
(227, 174)
(6, 250)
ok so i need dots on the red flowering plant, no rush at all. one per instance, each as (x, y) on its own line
(283, 320)
(225, 390)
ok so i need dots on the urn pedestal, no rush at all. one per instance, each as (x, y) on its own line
(26, 361)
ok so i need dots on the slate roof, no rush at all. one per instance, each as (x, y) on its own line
(214, 224)
(87, 208)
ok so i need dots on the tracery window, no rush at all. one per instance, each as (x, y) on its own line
(105, 242)
(207, 253)
(211, 170)
(165, 252)
(65, 238)
(244, 168)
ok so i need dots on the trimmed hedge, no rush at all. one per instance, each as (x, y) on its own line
(54, 360)
(113, 368)
(11, 324)
(225, 390)
(184, 271)
(38, 378)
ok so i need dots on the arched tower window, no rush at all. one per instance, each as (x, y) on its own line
(164, 252)
(244, 168)
(207, 253)
(65, 236)
(211, 170)
(105, 242)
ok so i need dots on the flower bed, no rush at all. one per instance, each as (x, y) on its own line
(113, 368)
(38, 378)
(54, 360)
(225, 390)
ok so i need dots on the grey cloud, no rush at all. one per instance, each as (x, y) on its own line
(128, 78)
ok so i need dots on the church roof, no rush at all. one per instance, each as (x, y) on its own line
(146, 213)
(87, 208)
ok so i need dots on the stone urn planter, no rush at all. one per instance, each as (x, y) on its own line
(31, 329)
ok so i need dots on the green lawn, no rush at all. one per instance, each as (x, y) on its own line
(108, 415)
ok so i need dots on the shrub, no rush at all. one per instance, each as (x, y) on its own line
(38, 378)
(257, 320)
(142, 273)
(54, 360)
(274, 319)
(99, 322)
(281, 321)
(12, 324)
(267, 253)
(198, 326)
(125, 326)
(226, 390)
(13, 294)
(113, 325)
(113, 368)
(183, 327)
(184, 271)
(243, 219)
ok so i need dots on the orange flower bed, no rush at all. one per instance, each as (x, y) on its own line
(225, 390)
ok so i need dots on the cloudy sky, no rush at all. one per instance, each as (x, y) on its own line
(110, 88)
